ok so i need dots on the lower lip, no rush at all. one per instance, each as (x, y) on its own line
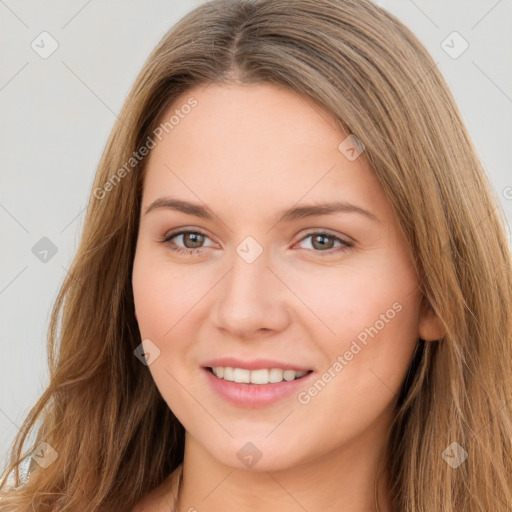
(254, 395)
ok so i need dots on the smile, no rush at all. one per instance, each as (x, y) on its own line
(261, 376)
(255, 388)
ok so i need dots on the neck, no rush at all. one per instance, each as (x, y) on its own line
(346, 477)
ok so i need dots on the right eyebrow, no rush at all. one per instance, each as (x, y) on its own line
(170, 203)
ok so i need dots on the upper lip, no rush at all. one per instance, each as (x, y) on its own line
(253, 364)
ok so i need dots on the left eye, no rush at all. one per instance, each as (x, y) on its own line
(320, 241)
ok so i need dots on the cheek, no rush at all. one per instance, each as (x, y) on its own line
(347, 299)
(164, 298)
(371, 316)
(163, 292)
(365, 366)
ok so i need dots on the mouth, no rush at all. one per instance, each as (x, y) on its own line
(262, 376)
(258, 387)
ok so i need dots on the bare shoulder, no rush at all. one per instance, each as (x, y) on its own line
(152, 502)
(146, 504)
(160, 497)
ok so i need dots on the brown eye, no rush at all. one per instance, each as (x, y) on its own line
(326, 243)
(322, 242)
(193, 240)
(186, 242)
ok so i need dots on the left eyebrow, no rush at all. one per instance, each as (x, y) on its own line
(289, 215)
(315, 210)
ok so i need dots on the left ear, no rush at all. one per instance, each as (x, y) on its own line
(430, 326)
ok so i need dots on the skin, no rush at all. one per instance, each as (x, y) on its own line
(248, 152)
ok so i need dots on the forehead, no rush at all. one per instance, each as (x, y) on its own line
(251, 120)
(254, 144)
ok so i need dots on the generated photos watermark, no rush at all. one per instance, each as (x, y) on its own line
(304, 397)
(143, 151)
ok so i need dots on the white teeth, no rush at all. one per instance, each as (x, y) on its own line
(289, 375)
(262, 376)
(276, 375)
(241, 375)
(259, 376)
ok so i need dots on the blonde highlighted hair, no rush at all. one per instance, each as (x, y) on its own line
(116, 438)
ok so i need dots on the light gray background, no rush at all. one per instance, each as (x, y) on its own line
(56, 114)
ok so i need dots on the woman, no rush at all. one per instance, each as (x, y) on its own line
(293, 288)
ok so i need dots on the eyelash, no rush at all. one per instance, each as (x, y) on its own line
(184, 250)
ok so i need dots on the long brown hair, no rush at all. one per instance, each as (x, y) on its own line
(116, 438)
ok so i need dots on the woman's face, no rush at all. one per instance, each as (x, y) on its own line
(330, 291)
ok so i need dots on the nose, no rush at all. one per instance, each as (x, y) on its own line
(251, 301)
